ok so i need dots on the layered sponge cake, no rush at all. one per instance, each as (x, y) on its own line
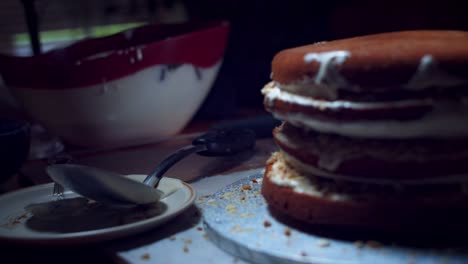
(375, 131)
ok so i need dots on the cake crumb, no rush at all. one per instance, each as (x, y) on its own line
(238, 229)
(266, 223)
(186, 249)
(212, 202)
(287, 232)
(202, 198)
(205, 235)
(303, 253)
(12, 223)
(374, 244)
(228, 194)
(359, 244)
(200, 228)
(254, 181)
(246, 187)
(242, 198)
(188, 241)
(323, 243)
(145, 256)
(231, 208)
(245, 215)
(172, 238)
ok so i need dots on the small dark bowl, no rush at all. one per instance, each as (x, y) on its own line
(14, 146)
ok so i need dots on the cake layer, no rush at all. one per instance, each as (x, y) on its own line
(408, 60)
(375, 159)
(319, 201)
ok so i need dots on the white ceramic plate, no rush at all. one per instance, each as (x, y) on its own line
(33, 215)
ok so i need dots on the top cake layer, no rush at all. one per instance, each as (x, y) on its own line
(406, 61)
(401, 85)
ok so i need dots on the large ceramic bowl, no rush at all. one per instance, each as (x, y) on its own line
(138, 86)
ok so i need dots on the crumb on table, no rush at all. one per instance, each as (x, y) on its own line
(374, 244)
(246, 187)
(232, 208)
(145, 256)
(359, 244)
(323, 243)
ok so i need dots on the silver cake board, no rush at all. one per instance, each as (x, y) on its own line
(237, 220)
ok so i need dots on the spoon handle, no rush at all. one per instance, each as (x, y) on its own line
(153, 178)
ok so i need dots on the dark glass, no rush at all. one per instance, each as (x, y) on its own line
(14, 146)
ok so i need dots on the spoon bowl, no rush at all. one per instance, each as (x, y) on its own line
(104, 186)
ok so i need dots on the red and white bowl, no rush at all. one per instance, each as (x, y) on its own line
(138, 86)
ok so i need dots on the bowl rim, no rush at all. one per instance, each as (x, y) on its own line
(98, 60)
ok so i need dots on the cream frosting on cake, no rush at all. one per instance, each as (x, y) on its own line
(448, 119)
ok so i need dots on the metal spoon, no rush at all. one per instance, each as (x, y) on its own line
(114, 189)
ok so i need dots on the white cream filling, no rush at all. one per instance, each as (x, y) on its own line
(299, 183)
(328, 72)
(329, 160)
(448, 119)
(275, 92)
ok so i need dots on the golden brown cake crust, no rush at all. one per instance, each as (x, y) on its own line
(372, 213)
(380, 60)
